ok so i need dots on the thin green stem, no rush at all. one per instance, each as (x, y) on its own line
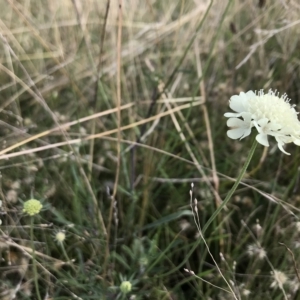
(197, 242)
(35, 273)
(66, 256)
(229, 195)
(207, 62)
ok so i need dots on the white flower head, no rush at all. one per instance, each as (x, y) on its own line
(257, 251)
(279, 279)
(268, 113)
(60, 236)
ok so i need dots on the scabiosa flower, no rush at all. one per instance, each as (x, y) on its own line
(268, 113)
(32, 207)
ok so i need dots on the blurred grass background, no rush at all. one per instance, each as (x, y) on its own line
(108, 120)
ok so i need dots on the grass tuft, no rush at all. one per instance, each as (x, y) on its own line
(109, 110)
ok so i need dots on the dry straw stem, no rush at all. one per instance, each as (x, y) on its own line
(165, 98)
(118, 105)
(207, 282)
(207, 124)
(189, 150)
(99, 135)
(194, 208)
(149, 34)
(97, 83)
(294, 261)
(268, 34)
(38, 96)
(27, 251)
(215, 189)
(46, 45)
(34, 91)
(64, 126)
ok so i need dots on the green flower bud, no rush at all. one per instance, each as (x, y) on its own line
(125, 287)
(32, 207)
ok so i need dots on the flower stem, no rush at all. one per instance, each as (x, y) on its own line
(35, 273)
(67, 257)
(229, 195)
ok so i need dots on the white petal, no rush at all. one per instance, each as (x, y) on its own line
(247, 117)
(236, 103)
(235, 122)
(264, 126)
(281, 148)
(250, 94)
(247, 132)
(263, 122)
(230, 115)
(235, 133)
(262, 139)
(274, 126)
(297, 142)
(280, 143)
(241, 128)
